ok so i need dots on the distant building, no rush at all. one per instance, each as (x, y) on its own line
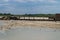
(57, 17)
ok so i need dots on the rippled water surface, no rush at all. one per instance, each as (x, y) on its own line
(29, 33)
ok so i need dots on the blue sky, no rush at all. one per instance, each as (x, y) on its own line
(29, 6)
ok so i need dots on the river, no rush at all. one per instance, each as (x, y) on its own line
(28, 33)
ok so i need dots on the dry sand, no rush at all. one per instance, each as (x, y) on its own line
(18, 23)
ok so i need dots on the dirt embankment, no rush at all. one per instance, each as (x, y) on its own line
(17, 23)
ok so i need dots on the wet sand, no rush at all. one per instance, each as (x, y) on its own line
(8, 24)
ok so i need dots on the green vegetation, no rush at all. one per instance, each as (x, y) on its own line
(28, 15)
(5, 14)
(40, 15)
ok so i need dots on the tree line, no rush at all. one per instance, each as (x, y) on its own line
(28, 15)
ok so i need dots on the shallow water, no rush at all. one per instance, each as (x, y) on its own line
(28, 33)
(2, 23)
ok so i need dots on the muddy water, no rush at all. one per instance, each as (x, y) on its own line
(29, 33)
(2, 23)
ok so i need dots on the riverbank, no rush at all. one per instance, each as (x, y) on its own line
(7, 24)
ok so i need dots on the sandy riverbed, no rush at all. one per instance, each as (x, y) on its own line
(7, 24)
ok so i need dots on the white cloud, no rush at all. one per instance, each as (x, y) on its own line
(6, 0)
(52, 1)
(4, 4)
(28, 0)
(35, 0)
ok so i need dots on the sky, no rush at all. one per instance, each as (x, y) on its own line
(29, 6)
